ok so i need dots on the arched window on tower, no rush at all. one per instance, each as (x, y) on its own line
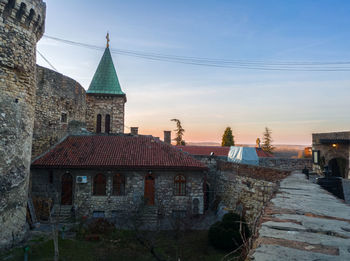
(99, 188)
(180, 185)
(108, 123)
(118, 185)
(98, 123)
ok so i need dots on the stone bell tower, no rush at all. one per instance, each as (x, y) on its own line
(105, 98)
(21, 26)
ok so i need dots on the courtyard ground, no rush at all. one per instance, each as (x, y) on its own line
(122, 246)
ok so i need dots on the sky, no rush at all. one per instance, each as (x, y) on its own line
(293, 104)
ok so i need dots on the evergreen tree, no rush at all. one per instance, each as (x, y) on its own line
(179, 133)
(227, 138)
(267, 140)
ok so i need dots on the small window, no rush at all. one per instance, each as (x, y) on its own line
(98, 214)
(64, 117)
(98, 123)
(118, 185)
(108, 123)
(99, 188)
(180, 185)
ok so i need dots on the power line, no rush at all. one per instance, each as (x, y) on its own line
(46, 60)
(222, 63)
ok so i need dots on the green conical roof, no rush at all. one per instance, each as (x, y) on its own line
(105, 80)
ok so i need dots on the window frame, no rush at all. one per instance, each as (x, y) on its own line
(180, 185)
(118, 179)
(94, 187)
(107, 123)
(64, 117)
(98, 123)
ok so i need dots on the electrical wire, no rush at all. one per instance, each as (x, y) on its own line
(46, 60)
(221, 63)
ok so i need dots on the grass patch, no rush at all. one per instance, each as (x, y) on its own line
(122, 245)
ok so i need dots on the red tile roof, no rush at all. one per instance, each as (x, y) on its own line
(116, 151)
(218, 151)
(205, 150)
(263, 154)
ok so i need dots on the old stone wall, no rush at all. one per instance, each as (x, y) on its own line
(60, 108)
(328, 151)
(21, 26)
(245, 188)
(286, 163)
(106, 104)
(86, 203)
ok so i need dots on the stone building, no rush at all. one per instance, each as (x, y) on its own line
(109, 175)
(105, 99)
(333, 150)
(21, 26)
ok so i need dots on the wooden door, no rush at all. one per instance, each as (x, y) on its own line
(149, 189)
(67, 189)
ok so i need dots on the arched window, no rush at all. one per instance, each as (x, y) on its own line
(108, 123)
(180, 185)
(99, 188)
(98, 123)
(118, 185)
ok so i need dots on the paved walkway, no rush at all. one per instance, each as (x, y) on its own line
(304, 222)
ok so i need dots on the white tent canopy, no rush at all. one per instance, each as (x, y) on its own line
(243, 155)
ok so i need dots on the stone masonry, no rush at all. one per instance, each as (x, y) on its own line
(60, 108)
(105, 104)
(86, 203)
(332, 145)
(245, 189)
(21, 26)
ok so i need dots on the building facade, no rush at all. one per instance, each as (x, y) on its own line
(111, 175)
(333, 150)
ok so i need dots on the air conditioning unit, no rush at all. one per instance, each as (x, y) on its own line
(81, 179)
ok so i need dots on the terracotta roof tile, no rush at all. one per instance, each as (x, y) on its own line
(116, 151)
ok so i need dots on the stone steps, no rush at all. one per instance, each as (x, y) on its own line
(149, 215)
(64, 213)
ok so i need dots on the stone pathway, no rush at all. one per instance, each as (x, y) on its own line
(303, 222)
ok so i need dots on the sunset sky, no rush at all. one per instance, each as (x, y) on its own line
(294, 104)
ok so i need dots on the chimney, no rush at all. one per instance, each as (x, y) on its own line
(134, 131)
(167, 137)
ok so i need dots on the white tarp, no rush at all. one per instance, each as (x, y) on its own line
(244, 155)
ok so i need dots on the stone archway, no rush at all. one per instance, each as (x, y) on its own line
(337, 166)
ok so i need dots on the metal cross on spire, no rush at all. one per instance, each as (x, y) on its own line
(107, 37)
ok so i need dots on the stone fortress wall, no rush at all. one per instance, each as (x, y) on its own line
(21, 26)
(60, 109)
(286, 163)
(246, 189)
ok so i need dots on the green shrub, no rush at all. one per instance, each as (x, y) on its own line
(225, 234)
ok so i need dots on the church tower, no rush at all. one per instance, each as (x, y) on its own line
(105, 98)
